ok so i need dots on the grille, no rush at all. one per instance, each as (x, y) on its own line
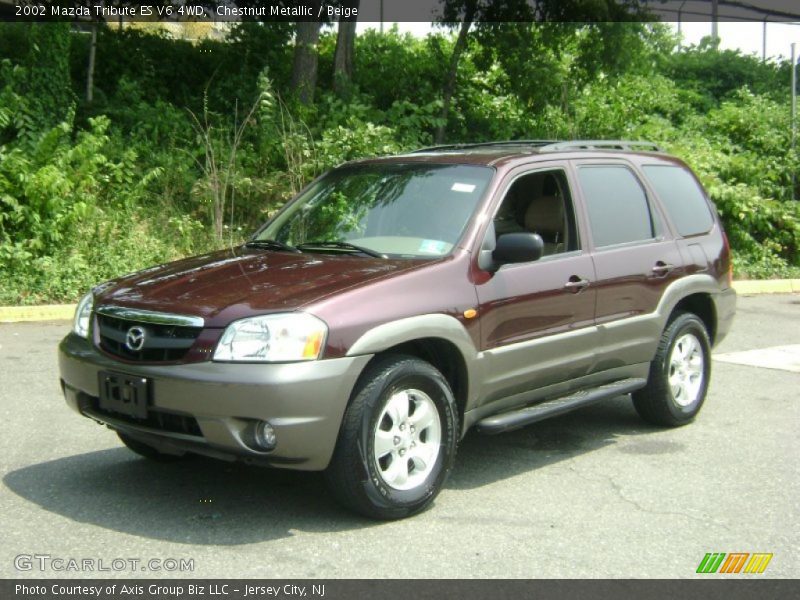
(162, 343)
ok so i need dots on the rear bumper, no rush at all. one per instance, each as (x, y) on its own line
(216, 404)
(725, 309)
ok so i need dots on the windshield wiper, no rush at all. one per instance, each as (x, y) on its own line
(343, 246)
(271, 245)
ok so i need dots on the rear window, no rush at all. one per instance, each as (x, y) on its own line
(617, 205)
(682, 198)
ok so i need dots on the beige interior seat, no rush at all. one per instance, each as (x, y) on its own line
(545, 216)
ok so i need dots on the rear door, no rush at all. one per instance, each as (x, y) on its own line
(635, 259)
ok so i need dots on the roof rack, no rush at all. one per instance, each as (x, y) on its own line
(603, 145)
(534, 143)
(554, 145)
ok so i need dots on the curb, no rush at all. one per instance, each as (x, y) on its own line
(767, 286)
(44, 312)
(64, 312)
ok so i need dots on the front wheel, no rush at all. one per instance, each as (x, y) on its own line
(397, 442)
(679, 374)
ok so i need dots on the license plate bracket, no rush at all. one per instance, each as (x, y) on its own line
(124, 394)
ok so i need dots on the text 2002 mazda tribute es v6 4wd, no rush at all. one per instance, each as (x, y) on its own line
(398, 302)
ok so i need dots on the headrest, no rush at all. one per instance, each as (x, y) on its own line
(545, 214)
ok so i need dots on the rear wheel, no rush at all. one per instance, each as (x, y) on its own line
(679, 374)
(398, 440)
(146, 451)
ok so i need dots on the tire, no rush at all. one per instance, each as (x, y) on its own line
(146, 451)
(679, 374)
(397, 442)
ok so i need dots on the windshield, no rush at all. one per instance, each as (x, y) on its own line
(398, 210)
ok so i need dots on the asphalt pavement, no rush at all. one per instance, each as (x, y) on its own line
(596, 493)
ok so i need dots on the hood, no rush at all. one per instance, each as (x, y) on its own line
(242, 282)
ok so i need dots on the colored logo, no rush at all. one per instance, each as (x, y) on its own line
(734, 562)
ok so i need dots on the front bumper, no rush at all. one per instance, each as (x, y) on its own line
(209, 408)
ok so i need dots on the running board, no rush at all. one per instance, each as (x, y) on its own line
(509, 421)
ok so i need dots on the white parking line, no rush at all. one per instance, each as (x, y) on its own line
(784, 358)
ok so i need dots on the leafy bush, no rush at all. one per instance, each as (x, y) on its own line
(71, 216)
(89, 191)
(714, 75)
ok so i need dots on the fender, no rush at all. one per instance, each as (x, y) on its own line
(699, 283)
(409, 329)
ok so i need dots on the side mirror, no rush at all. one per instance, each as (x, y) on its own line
(518, 248)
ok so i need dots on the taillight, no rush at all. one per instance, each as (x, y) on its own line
(728, 257)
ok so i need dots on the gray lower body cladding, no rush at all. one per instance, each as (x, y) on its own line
(210, 408)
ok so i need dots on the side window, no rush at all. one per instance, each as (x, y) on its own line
(617, 205)
(682, 198)
(540, 203)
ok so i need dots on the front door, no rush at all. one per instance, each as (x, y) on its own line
(537, 318)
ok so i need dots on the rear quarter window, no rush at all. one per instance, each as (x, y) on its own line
(682, 198)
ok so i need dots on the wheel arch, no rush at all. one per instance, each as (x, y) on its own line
(440, 340)
(701, 305)
(445, 357)
(693, 293)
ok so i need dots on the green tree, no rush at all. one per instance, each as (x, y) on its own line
(345, 49)
(48, 87)
(304, 65)
(713, 74)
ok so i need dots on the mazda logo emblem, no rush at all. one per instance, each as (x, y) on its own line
(134, 339)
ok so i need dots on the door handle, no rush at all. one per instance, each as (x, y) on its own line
(576, 284)
(662, 268)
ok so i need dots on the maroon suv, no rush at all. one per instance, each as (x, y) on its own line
(398, 302)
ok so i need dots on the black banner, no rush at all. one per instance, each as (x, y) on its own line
(241, 589)
(402, 10)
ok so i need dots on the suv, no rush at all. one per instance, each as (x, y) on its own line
(398, 302)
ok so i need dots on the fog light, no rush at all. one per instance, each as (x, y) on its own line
(265, 436)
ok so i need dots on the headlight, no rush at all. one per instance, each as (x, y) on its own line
(83, 314)
(286, 337)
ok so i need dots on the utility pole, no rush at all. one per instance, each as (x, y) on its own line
(680, 23)
(794, 115)
(381, 9)
(715, 20)
(764, 41)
